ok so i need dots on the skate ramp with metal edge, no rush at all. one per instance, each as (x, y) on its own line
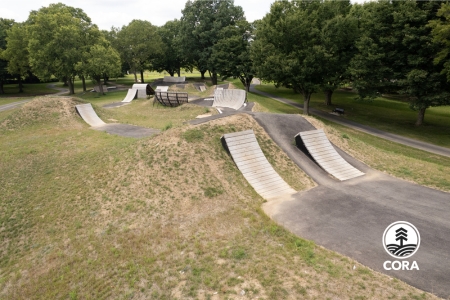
(229, 98)
(174, 79)
(131, 95)
(321, 150)
(88, 114)
(250, 160)
(144, 90)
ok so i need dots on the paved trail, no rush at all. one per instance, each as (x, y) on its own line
(367, 129)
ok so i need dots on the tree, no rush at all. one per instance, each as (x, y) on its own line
(138, 43)
(338, 34)
(287, 49)
(231, 54)
(441, 37)
(100, 59)
(395, 54)
(56, 35)
(171, 59)
(5, 25)
(201, 23)
(16, 52)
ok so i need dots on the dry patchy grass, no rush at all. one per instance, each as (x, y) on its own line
(87, 215)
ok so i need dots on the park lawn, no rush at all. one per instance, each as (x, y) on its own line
(391, 115)
(29, 90)
(92, 215)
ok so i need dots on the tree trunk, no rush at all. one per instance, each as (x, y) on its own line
(65, 83)
(306, 97)
(420, 116)
(171, 73)
(328, 94)
(179, 72)
(142, 76)
(203, 74)
(19, 78)
(2, 91)
(135, 75)
(100, 87)
(71, 87)
(214, 78)
(83, 80)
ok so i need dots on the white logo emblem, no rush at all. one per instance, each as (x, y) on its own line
(401, 239)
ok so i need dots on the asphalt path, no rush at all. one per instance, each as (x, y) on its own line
(21, 102)
(367, 129)
(350, 217)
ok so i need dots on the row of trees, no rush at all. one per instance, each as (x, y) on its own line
(310, 46)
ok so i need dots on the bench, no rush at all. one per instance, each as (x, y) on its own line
(340, 111)
(170, 98)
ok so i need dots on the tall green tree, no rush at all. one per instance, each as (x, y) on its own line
(16, 52)
(56, 35)
(396, 52)
(100, 59)
(138, 43)
(231, 54)
(441, 37)
(202, 22)
(5, 25)
(339, 32)
(288, 50)
(171, 59)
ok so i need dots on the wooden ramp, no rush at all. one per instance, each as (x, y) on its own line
(131, 95)
(89, 115)
(320, 148)
(229, 98)
(250, 160)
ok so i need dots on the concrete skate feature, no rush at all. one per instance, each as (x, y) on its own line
(174, 79)
(160, 88)
(250, 160)
(88, 114)
(131, 95)
(229, 98)
(171, 98)
(320, 148)
(144, 90)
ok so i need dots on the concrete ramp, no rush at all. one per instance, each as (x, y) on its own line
(144, 90)
(320, 148)
(131, 95)
(250, 160)
(174, 79)
(162, 88)
(229, 98)
(89, 115)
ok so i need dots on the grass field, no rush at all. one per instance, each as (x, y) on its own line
(88, 215)
(29, 90)
(388, 114)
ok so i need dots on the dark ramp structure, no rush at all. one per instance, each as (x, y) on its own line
(171, 98)
(250, 160)
(143, 90)
(320, 148)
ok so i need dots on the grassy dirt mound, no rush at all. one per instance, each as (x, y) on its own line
(95, 216)
(59, 111)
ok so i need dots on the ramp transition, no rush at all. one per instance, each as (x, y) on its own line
(250, 160)
(88, 114)
(229, 98)
(131, 95)
(320, 148)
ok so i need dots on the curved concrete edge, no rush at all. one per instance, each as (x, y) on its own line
(250, 160)
(320, 148)
(174, 79)
(87, 113)
(131, 95)
(142, 89)
(229, 98)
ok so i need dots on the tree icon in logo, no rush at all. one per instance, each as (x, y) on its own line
(401, 239)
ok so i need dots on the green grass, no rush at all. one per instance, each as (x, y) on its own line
(388, 114)
(29, 90)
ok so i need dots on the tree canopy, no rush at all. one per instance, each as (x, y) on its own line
(5, 25)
